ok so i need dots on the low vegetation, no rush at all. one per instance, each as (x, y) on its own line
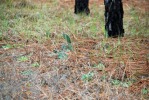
(48, 52)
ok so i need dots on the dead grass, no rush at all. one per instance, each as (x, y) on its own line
(120, 66)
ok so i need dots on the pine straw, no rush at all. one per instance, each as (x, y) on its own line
(61, 79)
(144, 83)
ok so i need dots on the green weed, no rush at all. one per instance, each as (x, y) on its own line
(116, 82)
(23, 59)
(27, 72)
(62, 55)
(100, 66)
(69, 45)
(35, 64)
(8, 46)
(87, 77)
(145, 91)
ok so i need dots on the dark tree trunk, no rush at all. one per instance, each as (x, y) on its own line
(114, 18)
(81, 6)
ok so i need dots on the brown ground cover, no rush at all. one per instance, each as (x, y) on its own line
(58, 79)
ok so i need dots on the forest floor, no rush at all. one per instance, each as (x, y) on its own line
(38, 63)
